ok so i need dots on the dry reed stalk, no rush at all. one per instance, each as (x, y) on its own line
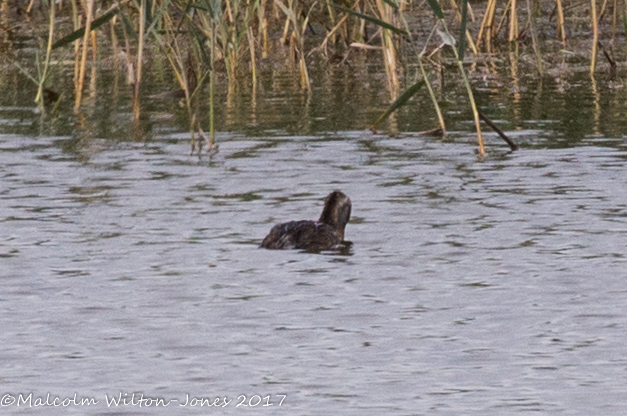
(560, 22)
(534, 36)
(229, 12)
(471, 14)
(286, 30)
(363, 31)
(76, 20)
(140, 58)
(513, 22)
(602, 13)
(331, 13)
(83, 62)
(614, 19)
(625, 16)
(487, 24)
(297, 37)
(212, 83)
(253, 61)
(500, 25)
(595, 36)
(94, 46)
(323, 45)
(304, 72)
(263, 28)
(389, 51)
(359, 45)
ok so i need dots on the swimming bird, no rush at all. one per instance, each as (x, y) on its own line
(313, 236)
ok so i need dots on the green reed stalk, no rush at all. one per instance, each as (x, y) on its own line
(471, 97)
(462, 17)
(434, 99)
(425, 74)
(440, 16)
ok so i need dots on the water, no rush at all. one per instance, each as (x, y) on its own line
(492, 287)
(128, 266)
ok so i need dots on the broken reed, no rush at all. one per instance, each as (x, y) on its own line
(195, 35)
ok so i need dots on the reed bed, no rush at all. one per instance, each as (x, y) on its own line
(207, 40)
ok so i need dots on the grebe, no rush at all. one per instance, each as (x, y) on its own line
(313, 236)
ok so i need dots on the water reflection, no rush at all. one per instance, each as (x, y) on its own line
(344, 98)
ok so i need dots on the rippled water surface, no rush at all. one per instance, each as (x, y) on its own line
(494, 287)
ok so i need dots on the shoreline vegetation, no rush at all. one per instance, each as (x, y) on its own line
(416, 42)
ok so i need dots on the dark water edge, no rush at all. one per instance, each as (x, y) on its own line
(565, 106)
